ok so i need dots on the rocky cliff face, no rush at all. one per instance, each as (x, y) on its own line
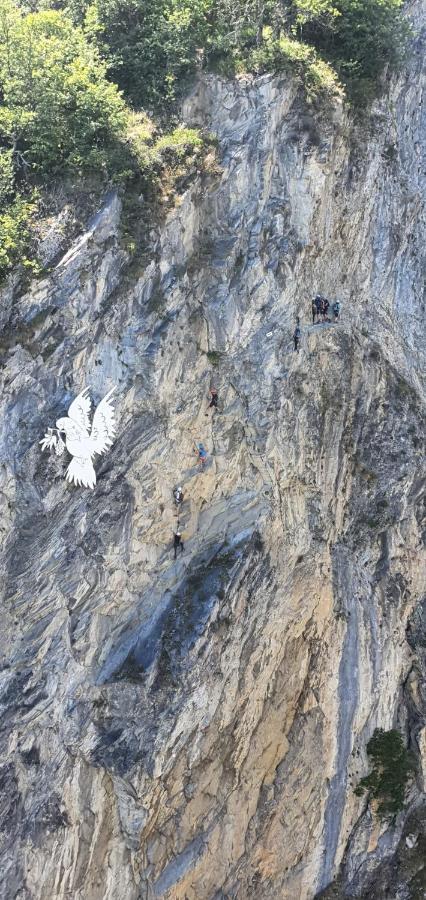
(194, 728)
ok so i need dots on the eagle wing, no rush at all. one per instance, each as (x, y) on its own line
(103, 426)
(80, 409)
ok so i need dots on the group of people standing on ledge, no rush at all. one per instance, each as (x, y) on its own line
(320, 313)
(178, 494)
(320, 308)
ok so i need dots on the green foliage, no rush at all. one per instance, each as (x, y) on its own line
(214, 357)
(15, 235)
(7, 175)
(66, 64)
(154, 46)
(360, 39)
(289, 55)
(304, 11)
(392, 766)
(151, 45)
(59, 109)
(155, 153)
(180, 142)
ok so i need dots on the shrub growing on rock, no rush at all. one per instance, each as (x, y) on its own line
(392, 766)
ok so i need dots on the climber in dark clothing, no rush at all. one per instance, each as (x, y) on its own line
(296, 336)
(317, 302)
(336, 310)
(213, 400)
(177, 542)
(326, 306)
(314, 311)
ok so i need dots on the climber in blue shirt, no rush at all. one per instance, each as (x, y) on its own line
(202, 455)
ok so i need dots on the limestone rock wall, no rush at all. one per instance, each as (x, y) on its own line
(193, 729)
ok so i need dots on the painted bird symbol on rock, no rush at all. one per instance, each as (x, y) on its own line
(82, 441)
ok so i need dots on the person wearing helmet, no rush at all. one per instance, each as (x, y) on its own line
(178, 495)
(177, 542)
(336, 310)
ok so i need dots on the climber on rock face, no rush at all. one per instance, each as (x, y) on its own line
(336, 310)
(326, 305)
(202, 455)
(178, 495)
(314, 311)
(318, 301)
(177, 542)
(213, 399)
(297, 335)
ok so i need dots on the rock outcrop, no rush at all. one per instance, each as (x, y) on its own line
(195, 728)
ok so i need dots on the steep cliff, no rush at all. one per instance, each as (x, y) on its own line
(195, 728)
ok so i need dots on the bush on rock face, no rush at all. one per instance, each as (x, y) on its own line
(392, 766)
(15, 235)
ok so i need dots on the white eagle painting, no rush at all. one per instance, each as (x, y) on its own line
(82, 441)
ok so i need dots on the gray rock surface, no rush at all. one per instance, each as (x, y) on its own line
(194, 728)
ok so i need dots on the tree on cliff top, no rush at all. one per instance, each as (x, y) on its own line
(59, 111)
(361, 38)
(58, 107)
(153, 46)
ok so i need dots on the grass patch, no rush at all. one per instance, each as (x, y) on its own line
(180, 143)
